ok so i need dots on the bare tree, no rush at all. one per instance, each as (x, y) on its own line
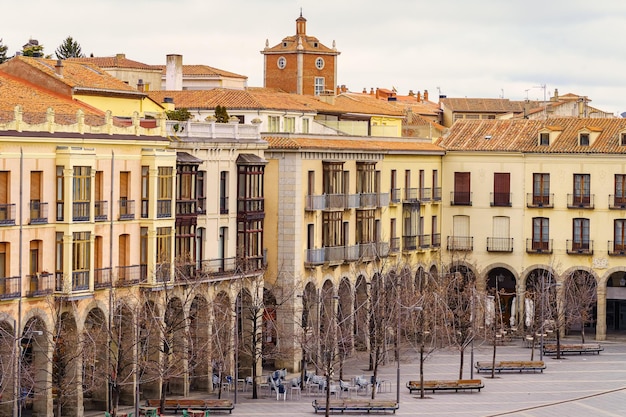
(579, 298)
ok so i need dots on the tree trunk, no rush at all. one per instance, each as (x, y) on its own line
(422, 370)
(461, 364)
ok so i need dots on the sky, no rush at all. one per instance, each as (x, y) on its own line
(515, 49)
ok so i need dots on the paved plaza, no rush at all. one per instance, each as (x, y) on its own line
(577, 385)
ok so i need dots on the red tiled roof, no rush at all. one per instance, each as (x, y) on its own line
(203, 71)
(34, 99)
(481, 105)
(521, 135)
(75, 74)
(288, 142)
(117, 61)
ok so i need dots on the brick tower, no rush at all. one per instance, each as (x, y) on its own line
(300, 64)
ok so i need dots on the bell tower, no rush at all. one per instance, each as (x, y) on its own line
(300, 64)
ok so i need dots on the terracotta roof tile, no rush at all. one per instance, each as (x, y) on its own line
(521, 135)
(117, 61)
(495, 105)
(75, 74)
(34, 99)
(203, 71)
(309, 44)
(292, 142)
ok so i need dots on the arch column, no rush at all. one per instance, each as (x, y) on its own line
(601, 312)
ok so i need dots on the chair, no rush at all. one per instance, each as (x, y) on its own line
(247, 382)
(107, 414)
(279, 388)
(185, 413)
(227, 384)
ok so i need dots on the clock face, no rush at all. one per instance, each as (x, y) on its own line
(282, 62)
(319, 63)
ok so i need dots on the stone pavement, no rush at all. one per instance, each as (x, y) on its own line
(577, 385)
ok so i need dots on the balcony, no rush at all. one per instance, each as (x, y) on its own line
(580, 201)
(577, 247)
(164, 209)
(436, 195)
(460, 198)
(38, 212)
(352, 201)
(10, 288)
(409, 243)
(202, 206)
(500, 199)
(127, 209)
(80, 280)
(394, 245)
(368, 200)
(382, 199)
(128, 275)
(80, 211)
(435, 240)
(102, 278)
(101, 209)
(217, 267)
(415, 195)
(423, 241)
(7, 214)
(162, 272)
(460, 243)
(382, 249)
(314, 257)
(617, 202)
(186, 208)
(499, 244)
(40, 284)
(336, 255)
(539, 200)
(543, 246)
(396, 195)
(616, 249)
(335, 202)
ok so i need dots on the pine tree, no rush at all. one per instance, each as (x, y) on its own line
(3, 52)
(69, 49)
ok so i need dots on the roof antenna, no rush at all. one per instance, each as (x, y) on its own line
(300, 11)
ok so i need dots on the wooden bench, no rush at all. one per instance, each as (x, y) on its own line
(511, 366)
(579, 348)
(356, 406)
(455, 385)
(176, 405)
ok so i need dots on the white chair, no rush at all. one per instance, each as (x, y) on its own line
(247, 383)
(279, 388)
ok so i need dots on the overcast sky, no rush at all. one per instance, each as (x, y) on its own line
(460, 48)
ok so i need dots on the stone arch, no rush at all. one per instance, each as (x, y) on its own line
(345, 320)
(612, 292)
(502, 283)
(95, 365)
(8, 355)
(580, 299)
(36, 363)
(221, 331)
(310, 323)
(540, 297)
(199, 344)
(175, 348)
(361, 313)
(123, 349)
(270, 327)
(66, 366)
(149, 322)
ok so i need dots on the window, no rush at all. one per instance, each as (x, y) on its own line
(289, 124)
(223, 192)
(365, 229)
(273, 123)
(622, 139)
(580, 238)
(165, 192)
(250, 214)
(145, 175)
(619, 231)
(37, 211)
(81, 187)
(461, 191)
(305, 125)
(332, 228)
(461, 238)
(310, 183)
(501, 189)
(81, 258)
(319, 63)
(319, 85)
(620, 189)
(126, 209)
(333, 175)
(365, 177)
(541, 234)
(584, 139)
(281, 62)
(143, 249)
(541, 189)
(60, 192)
(201, 190)
(544, 139)
(58, 262)
(395, 192)
(582, 192)
(164, 244)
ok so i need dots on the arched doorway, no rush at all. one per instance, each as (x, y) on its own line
(199, 368)
(95, 363)
(616, 303)
(580, 296)
(502, 285)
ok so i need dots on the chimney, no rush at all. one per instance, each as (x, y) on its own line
(120, 56)
(59, 68)
(168, 103)
(364, 90)
(344, 89)
(425, 95)
(411, 93)
(419, 96)
(174, 73)
(372, 91)
(140, 85)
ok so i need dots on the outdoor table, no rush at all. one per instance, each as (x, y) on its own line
(196, 413)
(148, 411)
